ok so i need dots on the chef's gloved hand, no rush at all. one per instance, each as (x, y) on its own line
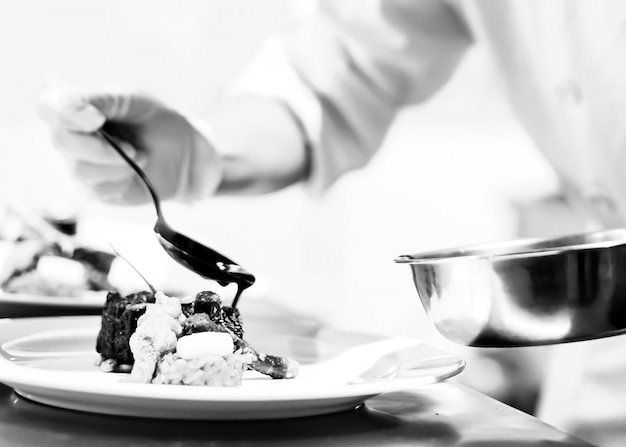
(179, 160)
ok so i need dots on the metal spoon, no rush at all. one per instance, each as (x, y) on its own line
(193, 255)
(421, 360)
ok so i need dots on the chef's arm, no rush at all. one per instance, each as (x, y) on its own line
(312, 104)
(262, 147)
(318, 102)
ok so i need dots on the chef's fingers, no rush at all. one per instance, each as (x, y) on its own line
(88, 111)
(93, 175)
(69, 110)
(90, 148)
(130, 191)
(127, 107)
(110, 184)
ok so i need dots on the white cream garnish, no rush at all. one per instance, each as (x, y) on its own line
(202, 344)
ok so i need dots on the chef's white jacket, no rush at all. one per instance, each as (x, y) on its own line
(346, 73)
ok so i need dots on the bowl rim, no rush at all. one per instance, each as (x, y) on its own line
(523, 247)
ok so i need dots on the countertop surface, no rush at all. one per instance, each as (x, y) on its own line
(444, 414)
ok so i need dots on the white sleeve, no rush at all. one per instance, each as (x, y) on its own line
(347, 72)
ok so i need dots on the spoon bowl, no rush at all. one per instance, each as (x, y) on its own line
(200, 258)
(189, 253)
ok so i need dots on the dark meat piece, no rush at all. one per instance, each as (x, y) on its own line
(97, 259)
(275, 366)
(187, 309)
(97, 264)
(140, 297)
(233, 320)
(119, 321)
(200, 323)
(211, 304)
(67, 225)
(272, 365)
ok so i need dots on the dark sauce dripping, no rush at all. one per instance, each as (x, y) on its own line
(243, 281)
(238, 276)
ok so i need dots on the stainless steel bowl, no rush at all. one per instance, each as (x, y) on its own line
(526, 292)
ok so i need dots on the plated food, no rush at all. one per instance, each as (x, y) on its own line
(51, 360)
(191, 341)
(37, 268)
(41, 254)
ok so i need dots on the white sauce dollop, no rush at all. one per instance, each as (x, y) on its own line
(201, 344)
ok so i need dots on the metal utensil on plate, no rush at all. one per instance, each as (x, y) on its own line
(406, 362)
(193, 255)
(526, 292)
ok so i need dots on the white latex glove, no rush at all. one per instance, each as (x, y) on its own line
(179, 161)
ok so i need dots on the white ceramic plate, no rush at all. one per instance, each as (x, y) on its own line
(51, 361)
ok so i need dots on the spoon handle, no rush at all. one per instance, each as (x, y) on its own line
(115, 145)
(122, 257)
